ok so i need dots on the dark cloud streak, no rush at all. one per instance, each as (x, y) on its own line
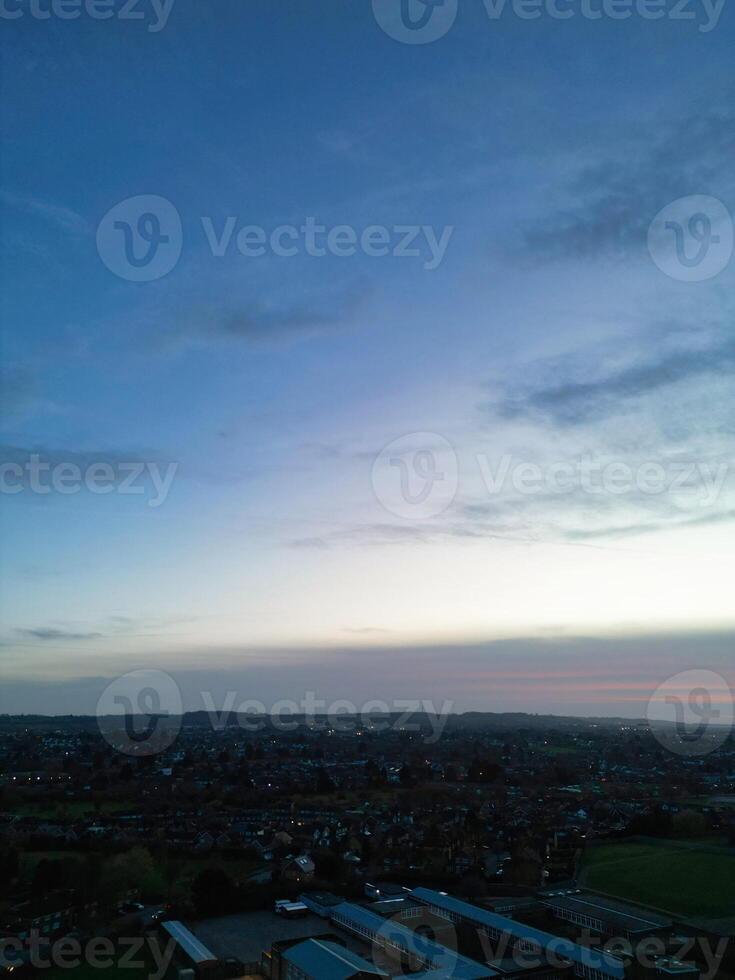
(576, 402)
(49, 634)
(610, 201)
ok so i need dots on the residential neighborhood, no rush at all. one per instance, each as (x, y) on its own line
(534, 822)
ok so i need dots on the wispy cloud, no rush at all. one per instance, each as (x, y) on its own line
(265, 325)
(364, 630)
(398, 534)
(58, 215)
(608, 203)
(48, 633)
(52, 456)
(573, 402)
(16, 390)
(651, 527)
(20, 397)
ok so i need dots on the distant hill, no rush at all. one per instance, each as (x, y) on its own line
(466, 721)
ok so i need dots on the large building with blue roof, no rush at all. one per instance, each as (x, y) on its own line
(318, 959)
(590, 964)
(399, 941)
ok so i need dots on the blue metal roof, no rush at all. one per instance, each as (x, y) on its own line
(594, 959)
(446, 962)
(194, 949)
(328, 961)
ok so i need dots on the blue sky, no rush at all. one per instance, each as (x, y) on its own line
(547, 333)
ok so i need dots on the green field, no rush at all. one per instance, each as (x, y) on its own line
(685, 880)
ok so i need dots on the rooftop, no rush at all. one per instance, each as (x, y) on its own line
(436, 956)
(618, 914)
(593, 959)
(193, 947)
(328, 961)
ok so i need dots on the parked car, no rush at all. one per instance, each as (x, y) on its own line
(128, 908)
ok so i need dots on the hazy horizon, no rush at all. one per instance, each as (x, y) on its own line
(577, 676)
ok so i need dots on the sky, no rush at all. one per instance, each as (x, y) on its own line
(410, 357)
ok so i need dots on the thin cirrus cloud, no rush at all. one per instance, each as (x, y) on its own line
(633, 530)
(703, 496)
(58, 215)
(696, 494)
(50, 634)
(17, 390)
(260, 325)
(575, 402)
(53, 456)
(20, 396)
(112, 627)
(672, 392)
(396, 534)
(608, 204)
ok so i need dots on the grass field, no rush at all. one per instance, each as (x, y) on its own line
(685, 880)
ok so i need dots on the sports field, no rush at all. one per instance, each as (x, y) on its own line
(686, 880)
